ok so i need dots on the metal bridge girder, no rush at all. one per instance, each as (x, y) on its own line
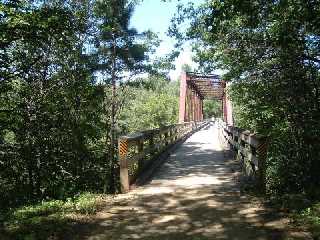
(194, 88)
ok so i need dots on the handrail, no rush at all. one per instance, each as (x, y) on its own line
(137, 151)
(251, 149)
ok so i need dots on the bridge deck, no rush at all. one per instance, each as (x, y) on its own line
(195, 195)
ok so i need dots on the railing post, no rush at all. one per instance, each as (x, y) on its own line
(141, 160)
(171, 140)
(233, 139)
(249, 167)
(161, 140)
(123, 162)
(239, 155)
(262, 156)
(151, 143)
(166, 138)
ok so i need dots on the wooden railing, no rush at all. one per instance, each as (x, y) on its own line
(251, 150)
(140, 150)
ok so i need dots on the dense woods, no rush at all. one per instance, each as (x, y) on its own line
(270, 51)
(68, 89)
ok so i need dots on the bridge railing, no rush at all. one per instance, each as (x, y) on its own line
(251, 150)
(139, 150)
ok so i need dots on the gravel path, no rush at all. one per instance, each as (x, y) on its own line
(195, 195)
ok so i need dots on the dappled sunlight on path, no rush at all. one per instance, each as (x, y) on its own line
(195, 195)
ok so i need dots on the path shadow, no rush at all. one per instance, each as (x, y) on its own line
(175, 211)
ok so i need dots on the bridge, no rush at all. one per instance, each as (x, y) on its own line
(183, 181)
(193, 193)
(140, 154)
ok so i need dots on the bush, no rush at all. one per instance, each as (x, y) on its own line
(39, 221)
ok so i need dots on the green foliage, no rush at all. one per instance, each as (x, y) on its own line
(311, 217)
(119, 47)
(153, 103)
(48, 104)
(186, 68)
(302, 211)
(48, 218)
(211, 108)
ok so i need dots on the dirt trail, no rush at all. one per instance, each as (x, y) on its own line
(195, 195)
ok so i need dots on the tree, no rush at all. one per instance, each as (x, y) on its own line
(211, 108)
(153, 103)
(121, 51)
(46, 117)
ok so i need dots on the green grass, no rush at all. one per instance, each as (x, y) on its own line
(310, 217)
(49, 218)
(304, 212)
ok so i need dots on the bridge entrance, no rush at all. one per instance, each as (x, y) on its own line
(194, 88)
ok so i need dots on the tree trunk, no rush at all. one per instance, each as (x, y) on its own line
(112, 159)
